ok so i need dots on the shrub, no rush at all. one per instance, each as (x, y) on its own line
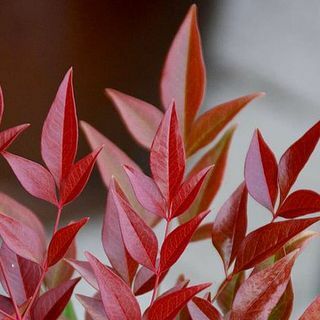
(37, 276)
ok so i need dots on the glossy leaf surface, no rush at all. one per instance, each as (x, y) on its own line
(202, 309)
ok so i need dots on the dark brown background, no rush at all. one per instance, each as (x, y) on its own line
(119, 44)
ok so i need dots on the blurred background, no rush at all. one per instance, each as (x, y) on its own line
(270, 46)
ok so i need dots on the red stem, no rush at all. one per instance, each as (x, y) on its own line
(56, 225)
(7, 315)
(16, 309)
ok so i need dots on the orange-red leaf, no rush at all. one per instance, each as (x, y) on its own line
(313, 310)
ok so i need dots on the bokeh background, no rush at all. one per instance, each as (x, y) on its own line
(270, 46)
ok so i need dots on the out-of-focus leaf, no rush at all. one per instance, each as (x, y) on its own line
(138, 237)
(176, 242)
(261, 172)
(110, 163)
(62, 240)
(59, 138)
(295, 158)
(117, 298)
(147, 192)
(265, 241)
(69, 312)
(260, 293)
(299, 203)
(52, 303)
(9, 135)
(226, 296)
(113, 244)
(142, 119)
(187, 193)
(313, 310)
(202, 309)
(21, 239)
(33, 177)
(206, 128)
(78, 177)
(168, 306)
(183, 77)
(203, 232)
(216, 156)
(167, 158)
(93, 306)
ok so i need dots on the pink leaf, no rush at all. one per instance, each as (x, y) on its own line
(168, 306)
(295, 158)
(9, 135)
(17, 211)
(118, 301)
(167, 159)
(85, 270)
(176, 242)
(313, 310)
(62, 240)
(113, 244)
(201, 309)
(299, 203)
(78, 177)
(138, 237)
(260, 293)
(60, 132)
(93, 306)
(230, 226)
(147, 192)
(261, 172)
(183, 77)
(21, 239)
(265, 241)
(1, 104)
(207, 127)
(34, 178)
(187, 193)
(141, 118)
(110, 163)
(51, 304)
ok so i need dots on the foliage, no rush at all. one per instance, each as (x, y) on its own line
(37, 276)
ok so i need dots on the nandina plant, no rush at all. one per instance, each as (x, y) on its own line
(37, 275)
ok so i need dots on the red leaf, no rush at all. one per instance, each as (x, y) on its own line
(183, 76)
(263, 242)
(169, 305)
(110, 163)
(294, 159)
(167, 159)
(21, 274)
(118, 301)
(206, 128)
(85, 270)
(230, 226)
(51, 304)
(17, 211)
(176, 242)
(138, 237)
(1, 104)
(299, 203)
(261, 172)
(93, 306)
(260, 293)
(34, 178)
(216, 156)
(145, 281)
(203, 232)
(141, 118)
(187, 193)
(283, 308)
(21, 239)
(62, 240)
(313, 311)
(78, 177)
(9, 135)
(60, 132)
(113, 243)
(147, 192)
(61, 271)
(201, 309)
